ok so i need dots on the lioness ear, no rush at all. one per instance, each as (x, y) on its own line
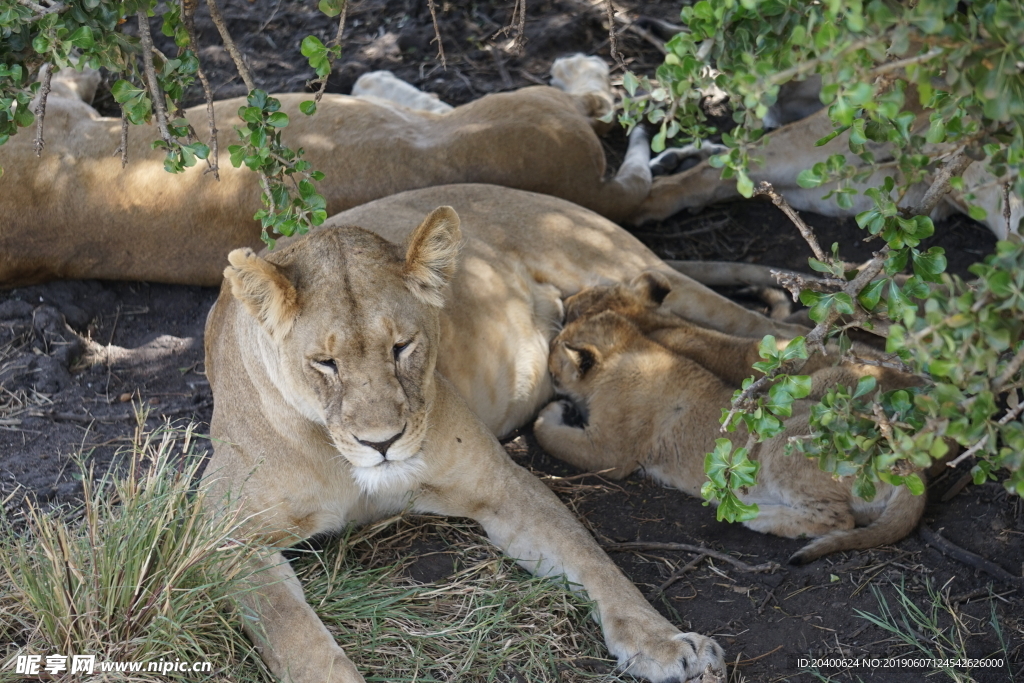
(432, 255)
(652, 286)
(268, 295)
(584, 357)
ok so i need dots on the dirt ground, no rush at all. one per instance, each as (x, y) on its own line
(71, 387)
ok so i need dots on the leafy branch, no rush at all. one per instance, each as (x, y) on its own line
(920, 91)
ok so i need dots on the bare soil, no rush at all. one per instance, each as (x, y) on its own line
(75, 357)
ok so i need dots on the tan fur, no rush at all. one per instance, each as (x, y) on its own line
(345, 418)
(75, 213)
(791, 149)
(264, 290)
(647, 407)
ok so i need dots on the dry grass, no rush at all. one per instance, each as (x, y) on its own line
(139, 573)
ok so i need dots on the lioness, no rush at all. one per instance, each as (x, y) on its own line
(791, 149)
(344, 369)
(633, 404)
(75, 213)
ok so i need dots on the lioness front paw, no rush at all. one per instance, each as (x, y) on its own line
(663, 658)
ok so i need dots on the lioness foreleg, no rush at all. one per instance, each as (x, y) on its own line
(290, 637)
(524, 518)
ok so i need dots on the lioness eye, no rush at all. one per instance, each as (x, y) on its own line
(326, 366)
(398, 348)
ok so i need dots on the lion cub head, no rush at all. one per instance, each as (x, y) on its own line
(582, 352)
(345, 326)
(644, 294)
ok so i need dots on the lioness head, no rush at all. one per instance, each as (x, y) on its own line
(646, 292)
(348, 327)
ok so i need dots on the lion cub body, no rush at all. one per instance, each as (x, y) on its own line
(653, 402)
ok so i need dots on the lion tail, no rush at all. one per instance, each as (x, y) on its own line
(901, 515)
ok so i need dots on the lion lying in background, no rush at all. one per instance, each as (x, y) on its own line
(651, 389)
(791, 149)
(75, 213)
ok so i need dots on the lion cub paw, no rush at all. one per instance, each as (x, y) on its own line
(562, 413)
(679, 657)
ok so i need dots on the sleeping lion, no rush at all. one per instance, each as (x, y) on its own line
(646, 391)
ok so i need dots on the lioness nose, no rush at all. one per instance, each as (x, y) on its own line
(382, 446)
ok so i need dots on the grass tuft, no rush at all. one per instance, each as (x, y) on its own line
(139, 573)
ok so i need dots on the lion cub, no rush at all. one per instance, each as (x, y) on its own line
(654, 403)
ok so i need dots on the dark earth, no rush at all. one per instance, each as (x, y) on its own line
(76, 357)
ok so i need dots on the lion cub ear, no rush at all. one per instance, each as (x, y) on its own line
(432, 255)
(583, 356)
(652, 287)
(267, 294)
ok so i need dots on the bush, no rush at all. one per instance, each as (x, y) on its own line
(884, 67)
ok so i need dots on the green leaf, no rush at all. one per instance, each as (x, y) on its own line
(865, 386)
(82, 37)
(744, 185)
(629, 82)
(308, 107)
(808, 179)
(871, 294)
(278, 119)
(914, 484)
(311, 47)
(331, 8)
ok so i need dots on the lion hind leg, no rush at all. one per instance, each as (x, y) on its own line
(384, 87)
(588, 78)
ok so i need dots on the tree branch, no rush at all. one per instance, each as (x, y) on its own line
(765, 188)
(332, 43)
(45, 74)
(940, 184)
(188, 16)
(229, 45)
(155, 93)
(437, 34)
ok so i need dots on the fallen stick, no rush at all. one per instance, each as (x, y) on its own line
(769, 567)
(967, 557)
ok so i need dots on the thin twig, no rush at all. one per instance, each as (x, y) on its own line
(517, 22)
(940, 184)
(1011, 369)
(155, 93)
(188, 14)
(437, 34)
(124, 139)
(229, 45)
(1006, 208)
(612, 38)
(334, 42)
(686, 547)
(678, 574)
(45, 74)
(765, 188)
(889, 67)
